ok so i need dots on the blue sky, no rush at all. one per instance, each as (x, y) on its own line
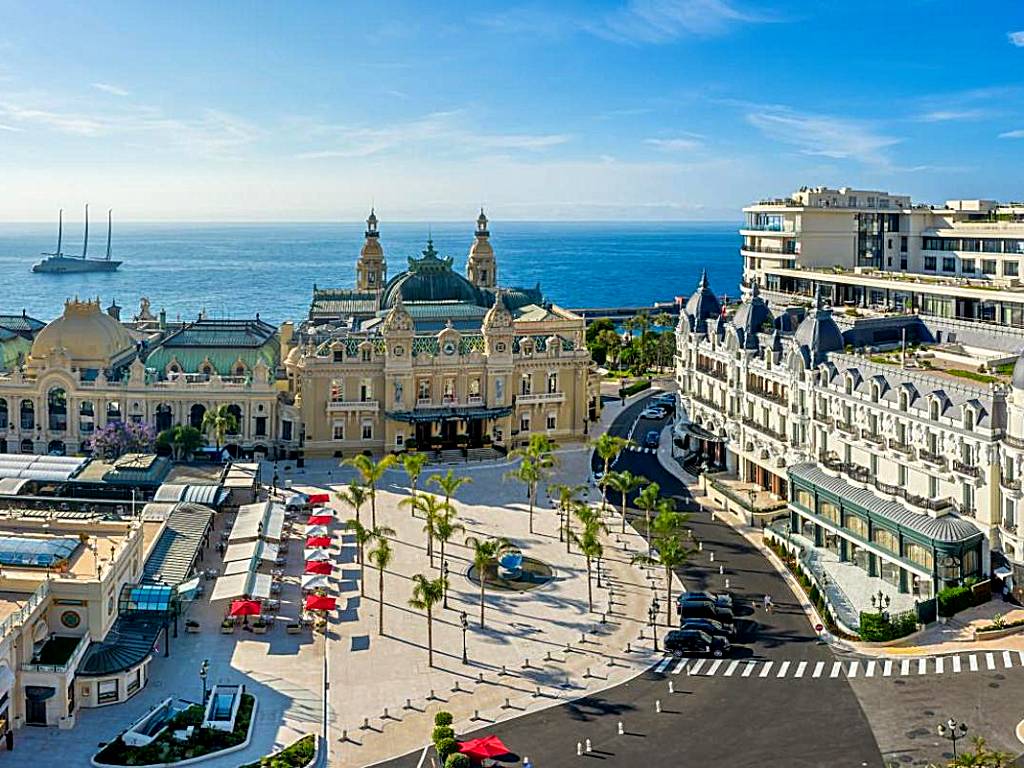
(614, 109)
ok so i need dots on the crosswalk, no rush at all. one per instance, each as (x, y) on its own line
(640, 449)
(988, 661)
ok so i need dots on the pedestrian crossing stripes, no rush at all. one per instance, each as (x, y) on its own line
(641, 449)
(873, 669)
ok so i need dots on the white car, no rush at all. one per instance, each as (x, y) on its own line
(653, 413)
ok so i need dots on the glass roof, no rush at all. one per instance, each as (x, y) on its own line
(147, 598)
(39, 553)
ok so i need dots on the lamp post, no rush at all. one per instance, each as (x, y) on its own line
(204, 670)
(652, 615)
(881, 601)
(464, 620)
(444, 570)
(704, 474)
(953, 731)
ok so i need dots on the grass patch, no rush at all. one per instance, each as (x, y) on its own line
(295, 755)
(983, 378)
(166, 749)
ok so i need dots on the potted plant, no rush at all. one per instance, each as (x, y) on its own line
(227, 626)
(192, 626)
(461, 440)
(260, 627)
(410, 445)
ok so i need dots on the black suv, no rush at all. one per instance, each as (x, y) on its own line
(704, 609)
(711, 627)
(693, 642)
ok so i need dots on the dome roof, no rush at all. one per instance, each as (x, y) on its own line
(431, 279)
(819, 333)
(702, 305)
(751, 317)
(88, 336)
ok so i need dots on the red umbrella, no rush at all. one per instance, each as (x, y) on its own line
(317, 542)
(485, 747)
(320, 520)
(245, 608)
(320, 603)
(318, 566)
(320, 498)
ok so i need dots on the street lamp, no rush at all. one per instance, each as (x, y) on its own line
(444, 584)
(953, 731)
(464, 620)
(652, 615)
(204, 670)
(881, 601)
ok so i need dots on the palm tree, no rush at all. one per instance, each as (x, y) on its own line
(363, 536)
(219, 422)
(587, 515)
(982, 757)
(667, 521)
(355, 496)
(371, 471)
(449, 484)
(486, 552)
(590, 547)
(413, 464)
(625, 483)
(427, 593)
(445, 527)
(607, 448)
(643, 322)
(381, 557)
(647, 500)
(670, 552)
(537, 461)
(567, 495)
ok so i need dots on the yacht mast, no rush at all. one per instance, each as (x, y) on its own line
(85, 245)
(109, 210)
(60, 229)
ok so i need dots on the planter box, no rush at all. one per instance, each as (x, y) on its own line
(260, 629)
(193, 628)
(294, 628)
(227, 629)
(995, 634)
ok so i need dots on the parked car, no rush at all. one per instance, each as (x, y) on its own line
(651, 439)
(712, 627)
(693, 642)
(654, 413)
(719, 598)
(667, 402)
(704, 609)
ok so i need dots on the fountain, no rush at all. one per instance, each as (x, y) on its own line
(222, 707)
(150, 725)
(510, 566)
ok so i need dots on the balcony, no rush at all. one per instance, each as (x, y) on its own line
(474, 400)
(932, 458)
(847, 428)
(349, 406)
(1008, 526)
(872, 437)
(1014, 442)
(1010, 485)
(541, 397)
(714, 373)
(966, 469)
(764, 430)
(58, 655)
(898, 447)
(930, 504)
(768, 394)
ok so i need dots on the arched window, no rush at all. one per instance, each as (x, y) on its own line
(27, 446)
(849, 385)
(86, 417)
(240, 370)
(28, 416)
(934, 410)
(904, 401)
(968, 418)
(164, 417)
(236, 411)
(57, 409)
(195, 415)
(874, 393)
(3, 413)
(113, 411)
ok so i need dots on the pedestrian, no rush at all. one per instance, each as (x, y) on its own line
(768, 603)
(527, 763)
(9, 739)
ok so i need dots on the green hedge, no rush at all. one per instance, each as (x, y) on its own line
(636, 386)
(443, 718)
(952, 600)
(878, 628)
(295, 755)
(458, 760)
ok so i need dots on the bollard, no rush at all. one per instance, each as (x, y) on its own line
(504, 672)
(712, 557)
(604, 618)
(476, 714)
(507, 704)
(568, 648)
(583, 638)
(579, 749)
(727, 583)
(385, 716)
(526, 664)
(671, 687)
(366, 723)
(537, 694)
(628, 649)
(457, 688)
(408, 703)
(642, 635)
(587, 673)
(344, 735)
(700, 546)
(432, 696)
(621, 729)
(721, 569)
(480, 678)
(588, 746)
(547, 656)
(657, 706)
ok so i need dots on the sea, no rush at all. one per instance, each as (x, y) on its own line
(237, 270)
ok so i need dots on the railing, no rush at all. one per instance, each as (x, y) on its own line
(1009, 526)
(847, 427)
(475, 400)
(1010, 485)
(765, 430)
(336, 406)
(1014, 442)
(61, 669)
(706, 401)
(424, 402)
(966, 469)
(872, 437)
(932, 458)
(904, 448)
(933, 504)
(859, 473)
(23, 614)
(712, 372)
(541, 397)
(768, 395)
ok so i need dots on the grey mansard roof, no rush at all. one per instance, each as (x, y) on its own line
(751, 317)
(819, 333)
(702, 305)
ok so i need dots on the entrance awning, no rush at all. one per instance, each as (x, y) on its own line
(421, 415)
(39, 692)
(697, 431)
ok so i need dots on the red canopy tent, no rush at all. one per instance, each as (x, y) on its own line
(484, 747)
(245, 608)
(319, 566)
(320, 603)
(320, 520)
(320, 498)
(317, 542)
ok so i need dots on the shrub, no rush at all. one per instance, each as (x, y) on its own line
(441, 733)
(443, 718)
(295, 755)
(952, 600)
(457, 760)
(636, 386)
(446, 747)
(879, 628)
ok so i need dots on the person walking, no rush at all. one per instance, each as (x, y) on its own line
(768, 603)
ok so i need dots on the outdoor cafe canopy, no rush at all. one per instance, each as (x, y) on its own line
(320, 498)
(264, 520)
(252, 585)
(312, 555)
(483, 748)
(319, 567)
(318, 541)
(312, 581)
(320, 520)
(316, 530)
(321, 603)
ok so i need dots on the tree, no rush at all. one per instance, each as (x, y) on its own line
(590, 547)
(537, 460)
(363, 536)
(624, 483)
(427, 593)
(611, 343)
(413, 464)
(182, 439)
(648, 501)
(643, 322)
(355, 496)
(597, 327)
(666, 520)
(371, 471)
(587, 516)
(219, 422)
(486, 552)
(449, 484)
(432, 508)
(381, 557)
(670, 552)
(567, 496)
(445, 527)
(607, 448)
(120, 437)
(982, 757)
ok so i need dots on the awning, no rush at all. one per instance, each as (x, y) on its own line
(312, 555)
(697, 431)
(448, 414)
(263, 520)
(315, 581)
(12, 486)
(39, 692)
(248, 550)
(254, 585)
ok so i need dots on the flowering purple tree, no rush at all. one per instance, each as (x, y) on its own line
(121, 437)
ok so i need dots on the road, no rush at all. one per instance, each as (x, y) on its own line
(733, 720)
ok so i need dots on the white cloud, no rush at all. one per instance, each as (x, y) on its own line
(951, 115)
(10, 128)
(685, 143)
(1016, 38)
(113, 90)
(662, 21)
(1018, 134)
(825, 136)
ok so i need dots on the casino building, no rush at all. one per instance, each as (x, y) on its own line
(431, 359)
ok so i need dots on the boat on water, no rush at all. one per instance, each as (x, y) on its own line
(58, 263)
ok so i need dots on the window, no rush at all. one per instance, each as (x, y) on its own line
(135, 682)
(929, 263)
(903, 244)
(286, 429)
(339, 356)
(113, 411)
(933, 487)
(829, 511)
(917, 553)
(337, 390)
(261, 426)
(367, 431)
(933, 410)
(886, 539)
(106, 691)
(423, 389)
(904, 401)
(524, 423)
(988, 266)
(399, 440)
(968, 419)
(857, 525)
(552, 382)
(948, 264)
(525, 384)
(552, 421)
(1011, 268)
(339, 431)
(902, 475)
(967, 266)
(365, 390)
(366, 355)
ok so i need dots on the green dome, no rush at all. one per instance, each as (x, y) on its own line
(430, 279)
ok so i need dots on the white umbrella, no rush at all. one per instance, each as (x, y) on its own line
(298, 500)
(316, 554)
(315, 581)
(317, 530)
(321, 510)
